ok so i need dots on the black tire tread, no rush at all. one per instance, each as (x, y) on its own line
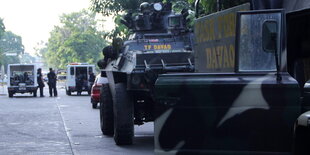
(106, 111)
(68, 92)
(94, 105)
(10, 94)
(123, 116)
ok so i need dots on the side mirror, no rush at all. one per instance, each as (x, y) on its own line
(269, 36)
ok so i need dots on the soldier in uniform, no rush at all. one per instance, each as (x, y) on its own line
(40, 82)
(52, 78)
(92, 77)
(79, 83)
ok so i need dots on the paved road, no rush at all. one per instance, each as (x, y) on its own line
(62, 125)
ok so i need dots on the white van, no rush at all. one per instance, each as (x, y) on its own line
(22, 78)
(77, 78)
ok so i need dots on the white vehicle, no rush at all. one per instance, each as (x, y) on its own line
(77, 78)
(22, 78)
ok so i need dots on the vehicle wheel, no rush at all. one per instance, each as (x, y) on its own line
(68, 92)
(123, 116)
(301, 142)
(106, 111)
(35, 94)
(11, 94)
(94, 104)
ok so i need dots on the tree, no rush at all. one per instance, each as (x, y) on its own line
(26, 58)
(210, 6)
(2, 28)
(75, 40)
(114, 7)
(117, 8)
(11, 43)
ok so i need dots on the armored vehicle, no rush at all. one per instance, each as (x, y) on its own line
(22, 78)
(160, 43)
(247, 98)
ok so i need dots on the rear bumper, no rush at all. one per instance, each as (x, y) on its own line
(73, 89)
(18, 89)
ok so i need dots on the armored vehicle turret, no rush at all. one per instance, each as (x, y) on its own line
(160, 43)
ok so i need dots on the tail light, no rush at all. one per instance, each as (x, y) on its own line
(96, 89)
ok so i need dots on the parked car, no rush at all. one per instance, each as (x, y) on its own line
(95, 90)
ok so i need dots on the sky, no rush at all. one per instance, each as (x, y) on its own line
(33, 20)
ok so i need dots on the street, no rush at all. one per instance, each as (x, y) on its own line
(61, 125)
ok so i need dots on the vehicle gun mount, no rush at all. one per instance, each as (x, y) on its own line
(157, 17)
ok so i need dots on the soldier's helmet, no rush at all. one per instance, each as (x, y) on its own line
(145, 7)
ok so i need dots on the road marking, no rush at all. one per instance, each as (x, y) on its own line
(66, 129)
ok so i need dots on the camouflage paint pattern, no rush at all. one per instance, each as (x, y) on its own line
(205, 113)
(247, 111)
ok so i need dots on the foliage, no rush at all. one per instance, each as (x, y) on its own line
(10, 43)
(210, 6)
(117, 8)
(114, 7)
(120, 29)
(76, 40)
(2, 28)
(26, 58)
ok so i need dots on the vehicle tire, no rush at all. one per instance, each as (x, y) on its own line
(123, 116)
(106, 111)
(94, 105)
(301, 140)
(35, 94)
(68, 92)
(11, 94)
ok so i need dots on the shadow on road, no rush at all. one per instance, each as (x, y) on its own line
(140, 142)
(23, 97)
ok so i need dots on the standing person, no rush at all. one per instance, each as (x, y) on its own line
(40, 82)
(91, 80)
(79, 83)
(52, 78)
